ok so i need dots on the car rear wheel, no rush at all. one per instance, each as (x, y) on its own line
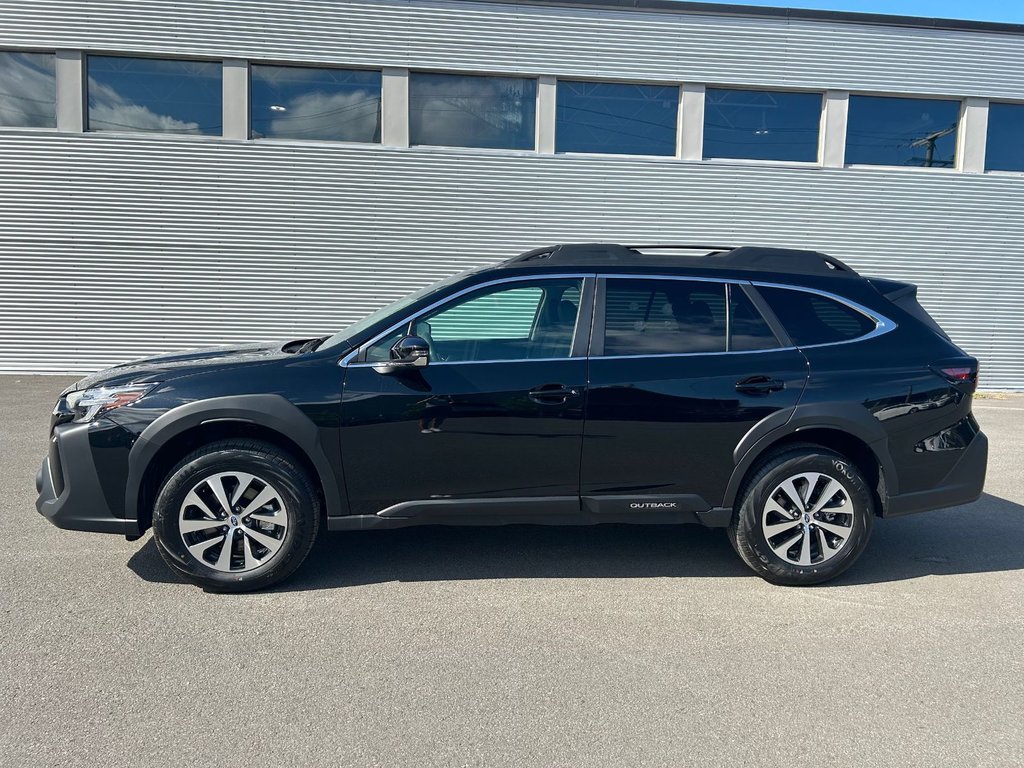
(804, 517)
(235, 516)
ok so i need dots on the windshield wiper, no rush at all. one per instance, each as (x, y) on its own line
(311, 345)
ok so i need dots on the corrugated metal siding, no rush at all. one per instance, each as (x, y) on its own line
(536, 39)
(115, 247)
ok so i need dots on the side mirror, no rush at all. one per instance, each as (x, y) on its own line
(408, 352)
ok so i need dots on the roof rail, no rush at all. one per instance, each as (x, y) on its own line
(744, 258)
(680, 247)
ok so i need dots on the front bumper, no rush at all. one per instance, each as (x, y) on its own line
(962, 485)
(70, 494)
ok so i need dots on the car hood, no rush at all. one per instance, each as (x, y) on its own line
(178, 364)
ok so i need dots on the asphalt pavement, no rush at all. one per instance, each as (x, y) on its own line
(523, 646)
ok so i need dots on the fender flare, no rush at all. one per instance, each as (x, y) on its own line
(851, 419)
(270, 411)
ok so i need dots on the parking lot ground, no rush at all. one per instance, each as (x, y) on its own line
(521, 646)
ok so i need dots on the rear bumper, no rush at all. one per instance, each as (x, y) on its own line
(962, 485)
(70, 494)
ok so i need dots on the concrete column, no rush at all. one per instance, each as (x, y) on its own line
(236, 99)
(690, 125)
(394, 104)
(70, 69)
(972, 137)
(547, 89)
(832, 149)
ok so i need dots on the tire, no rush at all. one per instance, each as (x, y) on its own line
(797, 547)
(273, 520)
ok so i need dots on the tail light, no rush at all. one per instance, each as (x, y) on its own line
(962, 371)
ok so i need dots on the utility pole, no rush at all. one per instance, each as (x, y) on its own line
(929, 142)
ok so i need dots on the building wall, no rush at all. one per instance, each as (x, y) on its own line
(114, 246)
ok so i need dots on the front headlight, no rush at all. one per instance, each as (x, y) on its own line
(87, 404)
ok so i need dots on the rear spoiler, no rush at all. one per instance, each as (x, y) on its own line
(904, 296)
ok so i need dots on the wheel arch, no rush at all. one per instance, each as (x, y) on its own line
(860, 439)
(176, 433)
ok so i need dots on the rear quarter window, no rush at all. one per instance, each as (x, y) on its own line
(813, 319)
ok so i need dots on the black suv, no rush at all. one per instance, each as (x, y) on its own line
(771, 392)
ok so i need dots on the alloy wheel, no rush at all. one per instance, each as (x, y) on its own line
(233, 521)
(808, 519)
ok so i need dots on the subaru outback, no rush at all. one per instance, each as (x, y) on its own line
(777, 394)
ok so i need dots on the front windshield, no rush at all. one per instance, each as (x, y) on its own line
(342, 337)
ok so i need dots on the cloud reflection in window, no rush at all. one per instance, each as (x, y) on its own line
(154, 95)
(28, 90)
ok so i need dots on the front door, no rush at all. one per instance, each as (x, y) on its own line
(496, 415)
(682, 370)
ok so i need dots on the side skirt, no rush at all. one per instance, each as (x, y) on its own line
(540, 510)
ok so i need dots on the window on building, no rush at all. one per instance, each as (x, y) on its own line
(28, 90)
(307, 103)
(761, 125)
(651, 317)
(154, 95)
(1004, 150)
(813, 319)
(617, 118)
(748, 330)
(472, 111)
(885, 130)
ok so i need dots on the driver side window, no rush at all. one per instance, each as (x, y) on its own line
(514, 321)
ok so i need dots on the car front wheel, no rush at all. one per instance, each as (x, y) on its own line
(804, 517)
(235, 516)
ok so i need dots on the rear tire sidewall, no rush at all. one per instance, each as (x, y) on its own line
(272, 466)
(748, 537)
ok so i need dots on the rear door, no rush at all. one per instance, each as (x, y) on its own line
(680, 371)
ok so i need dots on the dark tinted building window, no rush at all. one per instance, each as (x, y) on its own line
(761, 125)
(28, 90)
(812, 319)
(747, 328)
(618, 118)
(308, 103)
(883, 130)
(472, 111)
(650, 317)
(154, 95)
(1005, 148)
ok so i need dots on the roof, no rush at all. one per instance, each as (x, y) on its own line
(682, 257)
(786, 14)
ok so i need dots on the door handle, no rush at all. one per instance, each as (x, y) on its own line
(552, 394)
(759, 385)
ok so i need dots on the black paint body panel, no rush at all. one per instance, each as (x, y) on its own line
(670, 424)
(468, 444)
(461, 431)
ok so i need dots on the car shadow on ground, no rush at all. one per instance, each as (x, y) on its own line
(983, 537)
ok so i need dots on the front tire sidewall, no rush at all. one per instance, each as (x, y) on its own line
(303, 516)
(748, 536)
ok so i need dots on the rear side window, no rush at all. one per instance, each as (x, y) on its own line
(813, 319)
(650, 317)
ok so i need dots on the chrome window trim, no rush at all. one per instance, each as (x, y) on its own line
(694, 354)
(346, 361)
(882, 323)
